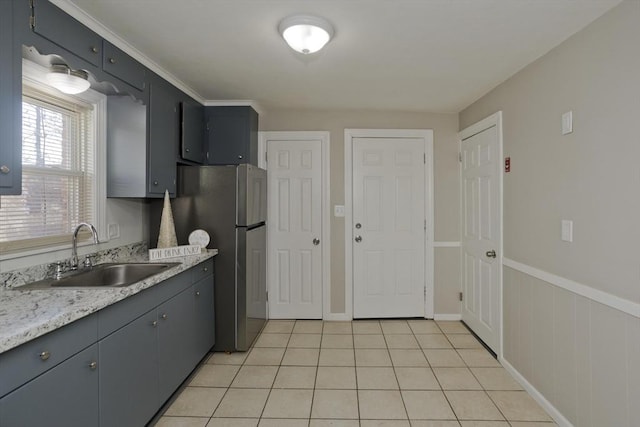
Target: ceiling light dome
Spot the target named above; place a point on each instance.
(67, 80)
(305, 33)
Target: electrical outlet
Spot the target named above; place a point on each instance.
(114, 231)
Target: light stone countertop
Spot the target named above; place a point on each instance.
(28, 314)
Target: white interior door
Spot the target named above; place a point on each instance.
(388, 227)
(295, 256)
(481, 234)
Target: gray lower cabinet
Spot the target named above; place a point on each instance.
(64, 396)
(204, 333)
(176, 321)
(129, 373)
(147, 345)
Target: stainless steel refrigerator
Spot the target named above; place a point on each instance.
(229, 203)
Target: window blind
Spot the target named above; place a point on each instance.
(58, 179)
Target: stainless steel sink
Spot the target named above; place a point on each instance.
(104, 275)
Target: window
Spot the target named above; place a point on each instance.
(59, 173)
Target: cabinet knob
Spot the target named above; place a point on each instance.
(94, 49)
(5, 169)
(164, 316)
(187, 150)
(112, 60)
(93, 365)
(239, 157)
(154, 323)
(205, 269)
(155, 182)
(197, 293)
(45, 355)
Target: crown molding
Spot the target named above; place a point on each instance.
(235, 103)
(106, 33)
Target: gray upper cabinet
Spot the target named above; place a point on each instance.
(163, 136)
(10, 103)
(192, 131)
(120, 65)
(54, 24)
(232, 135)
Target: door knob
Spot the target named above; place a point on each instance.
(358, 225)
(491, 253)
(358, 239)
(316, 241)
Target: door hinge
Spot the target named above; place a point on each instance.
(424, 158)
(460, 157)
(32, 16)
(267, 295)
(425, 225)
(265, 156)
(425, 292)
(460, 296)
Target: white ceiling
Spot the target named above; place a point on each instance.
(414, 55)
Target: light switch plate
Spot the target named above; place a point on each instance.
(567, 123)
(338, 210)
(567, 230)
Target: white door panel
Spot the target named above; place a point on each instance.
(389, 227)
(481, 234)
(295, 220)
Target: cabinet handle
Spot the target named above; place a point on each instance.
(164, 316)
(45, 355)
(93, 365)
(94, 49)
(197, 293)
(112, 60)
(5, 169)
(154, 323)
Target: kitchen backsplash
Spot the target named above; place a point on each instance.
(131, 252)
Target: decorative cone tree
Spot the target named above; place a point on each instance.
(167, 237)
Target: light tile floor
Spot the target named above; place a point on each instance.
(387, 373)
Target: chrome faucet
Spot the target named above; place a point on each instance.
(74, 245)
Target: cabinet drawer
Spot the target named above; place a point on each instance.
(55, 25)
(119, 64)
(23, 363)
(201, 270)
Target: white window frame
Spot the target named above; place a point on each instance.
(34, 75)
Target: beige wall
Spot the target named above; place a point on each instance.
(581, 355)
(445, 127)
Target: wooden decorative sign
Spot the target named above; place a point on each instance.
(175, 251)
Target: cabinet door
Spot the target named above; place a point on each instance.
(10, 103)
(175, 321)
(54, 24)
(232, 135)
(65, 396)
(119, 64)
(204, 336)
(163, 138)
(129, 374)
(192, 131)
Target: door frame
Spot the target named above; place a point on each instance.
(427, 136)
(486, 123)
(325, 143)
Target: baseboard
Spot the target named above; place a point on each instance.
(337, 317)
(453, 316)
(537, 396)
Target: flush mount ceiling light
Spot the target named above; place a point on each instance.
(67, 80)
(306, 34)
